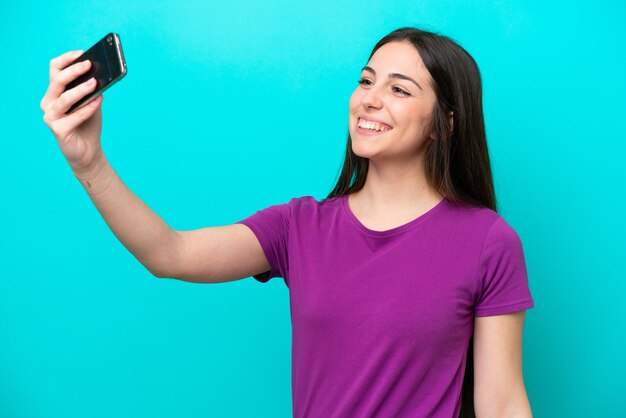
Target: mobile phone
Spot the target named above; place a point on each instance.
(108, 66)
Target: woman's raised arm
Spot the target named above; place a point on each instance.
(208, 255)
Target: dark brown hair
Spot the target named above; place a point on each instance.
(456, 163)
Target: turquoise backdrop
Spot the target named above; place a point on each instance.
(229, 107)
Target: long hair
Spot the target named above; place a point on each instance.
(456, 162)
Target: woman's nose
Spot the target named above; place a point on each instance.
(372, 98)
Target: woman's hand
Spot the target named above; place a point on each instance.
(77, 133)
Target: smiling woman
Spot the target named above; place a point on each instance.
(407, 289)
(426, 90)
(405, 270)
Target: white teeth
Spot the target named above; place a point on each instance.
(372, 126)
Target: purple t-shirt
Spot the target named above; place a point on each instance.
(381, 320)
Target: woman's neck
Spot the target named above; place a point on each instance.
(391, 199)
(396, 189)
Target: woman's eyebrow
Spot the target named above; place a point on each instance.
(394, 75)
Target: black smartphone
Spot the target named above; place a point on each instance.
(108, 66)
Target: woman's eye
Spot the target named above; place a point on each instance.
(367, 82)
(399, 90)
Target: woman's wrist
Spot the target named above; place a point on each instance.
(96, 178)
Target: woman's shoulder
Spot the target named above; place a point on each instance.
(309, 200)
(307, 206)
(468, 209)
(474, 216)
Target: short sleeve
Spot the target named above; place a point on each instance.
(503, 279)
(271, 227)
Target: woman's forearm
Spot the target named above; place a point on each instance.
(141, 230)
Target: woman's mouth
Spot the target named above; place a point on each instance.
(366, 127)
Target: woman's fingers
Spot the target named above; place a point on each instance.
(59, 63)
(61, 105)
(63, 127)
(60, 79)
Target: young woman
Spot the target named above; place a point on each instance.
(408, 291)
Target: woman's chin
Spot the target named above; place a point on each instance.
(363, 151)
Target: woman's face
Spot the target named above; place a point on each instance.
(395, 90)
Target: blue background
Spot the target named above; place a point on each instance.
(229, 108)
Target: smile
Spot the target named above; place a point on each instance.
(372, 127)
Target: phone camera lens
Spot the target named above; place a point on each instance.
(109, 38)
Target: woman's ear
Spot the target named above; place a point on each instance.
(450, 122)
